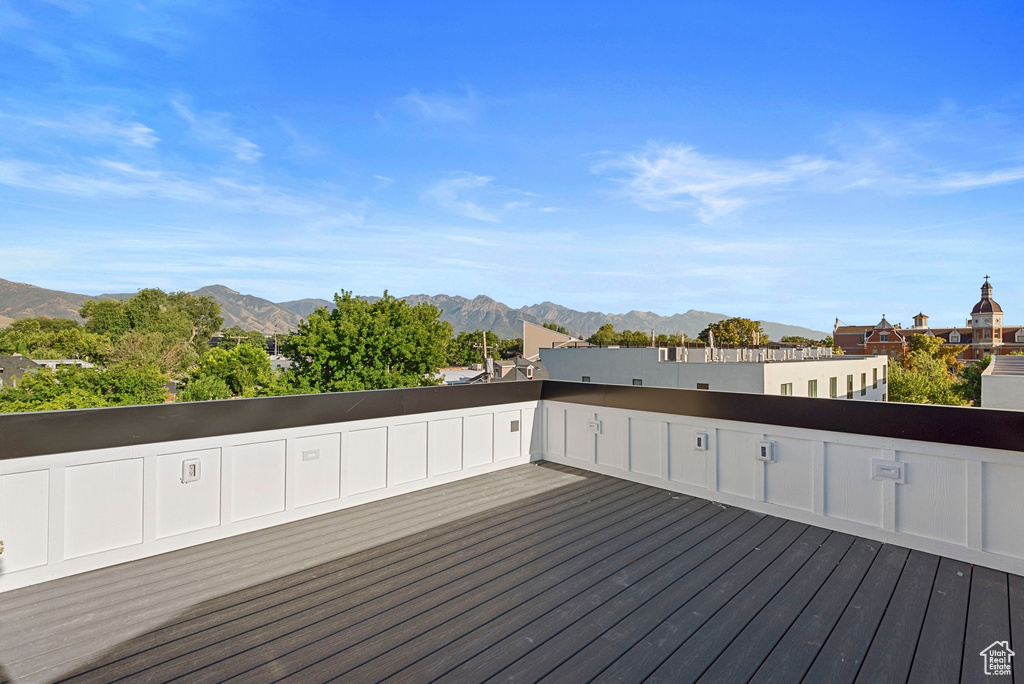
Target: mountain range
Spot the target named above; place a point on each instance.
(20, 300)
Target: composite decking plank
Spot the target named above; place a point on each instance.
(284, 629)
(167, 602)
(68, 652)
(696, 654)
(389, 651)
(616, 632)
(525, 656)
(346, 645)
(939, 657)
(744, 654)
(667, 634)
(468, 493)
(578, 652)
(892, 650)
(988, 621)
(372, 567)
(841, 656)
(137, 606)
(797, 649)
(1016, 595)
(533, 622)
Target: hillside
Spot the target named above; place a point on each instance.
(19, 300)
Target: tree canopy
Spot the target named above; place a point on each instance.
(734, 331)
(927, 373)
(363, 345)
(466, 348)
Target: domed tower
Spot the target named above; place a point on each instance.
(986, 324)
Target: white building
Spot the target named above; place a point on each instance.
(802, 372)
(1002, 383)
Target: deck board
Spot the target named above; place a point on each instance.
(539, 572)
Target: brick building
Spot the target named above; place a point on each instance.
(983, 334)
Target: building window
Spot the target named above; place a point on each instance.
(703, 385)
(1019, 337)
(529, 372)
(954, 336)
(849, 387)
(586, 378)
(637, 382)
(787, 389)
(863, 384)
(883, 337)
(812, 388)
(874, 378)
(874, 351)
(833, 387)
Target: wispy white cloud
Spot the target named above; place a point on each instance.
(214, 128)
(941, 154)
(663, 177)
(116, 179)
(476, 197)
(90, 124)
(440, 107)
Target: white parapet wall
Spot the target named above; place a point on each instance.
(66, 513)
(958, 501)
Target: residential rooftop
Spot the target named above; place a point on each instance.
(582, 534)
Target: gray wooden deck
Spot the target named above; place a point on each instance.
(538, 573)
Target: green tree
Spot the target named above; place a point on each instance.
(204, 388)
(605, 336)
(245, 369)
(466, 348)
(510, 348)
(968, 387)
(557, 328)
(169, 331)
(235, 336)
(632, 338)
(363, 345)
(736, 331)
(72, 387)
(926, 373)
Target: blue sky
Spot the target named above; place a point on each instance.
(789, 162)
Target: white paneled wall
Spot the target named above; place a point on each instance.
(962, 502)
(67, 513)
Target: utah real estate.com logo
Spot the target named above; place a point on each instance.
(998, 658)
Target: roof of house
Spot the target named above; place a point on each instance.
(535, 571)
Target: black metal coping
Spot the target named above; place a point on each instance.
(961, 425)
(50, 432)
(53, 432)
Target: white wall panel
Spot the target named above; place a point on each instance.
(367, 459)
(478, 440)
(507, 442)
(1004, 523)
(790, 480)
(24, 512)
(102, 507)
(444, 446)
(554, 439)
(850, 493)
(257, 479)
(736, 462)
(645, 446)
(933, 502)
(580, 445)
(612, 441)
(685, 464)
(407, 453)
(317, 462)
(530, 439)
(187, 507)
